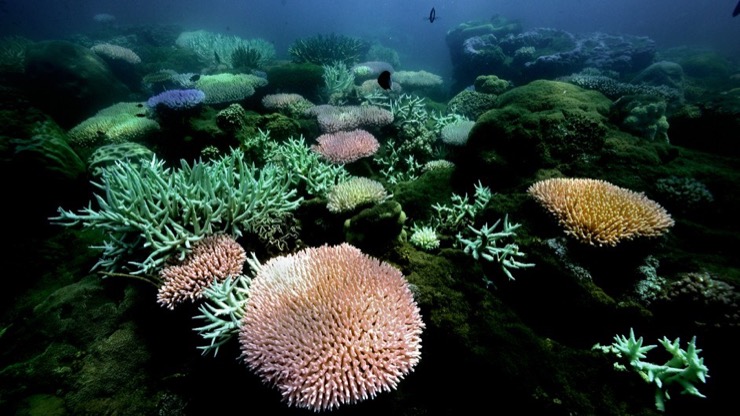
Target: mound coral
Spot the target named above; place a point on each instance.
(598, 213)
(121, 122)
(330, 326)
(224, 88)
(177, 99)
(355, 192)
(335, 118)
(116, 53)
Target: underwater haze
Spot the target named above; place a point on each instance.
(391, 207)
(399, 24)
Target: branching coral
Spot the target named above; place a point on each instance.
(488, 244)
(325, 50)
(685, 367)
(151, 213)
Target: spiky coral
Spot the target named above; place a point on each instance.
(325, 50)
(151, 213)
(685, 367)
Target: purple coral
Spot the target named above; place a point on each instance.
(177, 99)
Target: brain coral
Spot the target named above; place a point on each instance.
(330, 326)
(599, 213)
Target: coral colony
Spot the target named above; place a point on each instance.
(309, 208)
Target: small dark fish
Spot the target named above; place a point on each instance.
(140, 105)
(384, 80)
(141, 115)
(737, 10)
(432, 16)
(195, 78)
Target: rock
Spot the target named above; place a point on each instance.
(70, 82)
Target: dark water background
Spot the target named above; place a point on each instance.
(398, 24)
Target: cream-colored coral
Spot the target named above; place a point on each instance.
(599, 213)
(223, 88)
(118, 123)
(355, 192)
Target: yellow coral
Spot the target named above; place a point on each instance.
(120, 122)
(599, 213)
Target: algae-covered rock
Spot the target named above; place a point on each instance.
(491, 84)
(376, 226)
(80, 82)
(539, 125)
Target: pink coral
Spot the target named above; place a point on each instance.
(346, 146)
(284, 100)
(116, 53)
(213, 257)
(330, 326)
(335, 118)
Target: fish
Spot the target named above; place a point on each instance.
(194, 77)
(384, 80)
(737, 9)
(432, 15)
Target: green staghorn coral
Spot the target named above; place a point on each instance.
(323, 50)
(684, 368)
(151, 213)
(215, 48)
(488, 243)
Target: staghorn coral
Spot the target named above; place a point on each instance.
(215, 48)
(323, 50)
(330, 326)
(311, 173)
(105, 156)
(598, 213)
(151, 213)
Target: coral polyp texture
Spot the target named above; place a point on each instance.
(177, 99)
(215, 257)
(346, 146)
(330, 326)
(116, 53)
(599, 213)
(353, 193)
(336, 118)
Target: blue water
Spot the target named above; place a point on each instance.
(396, 24)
